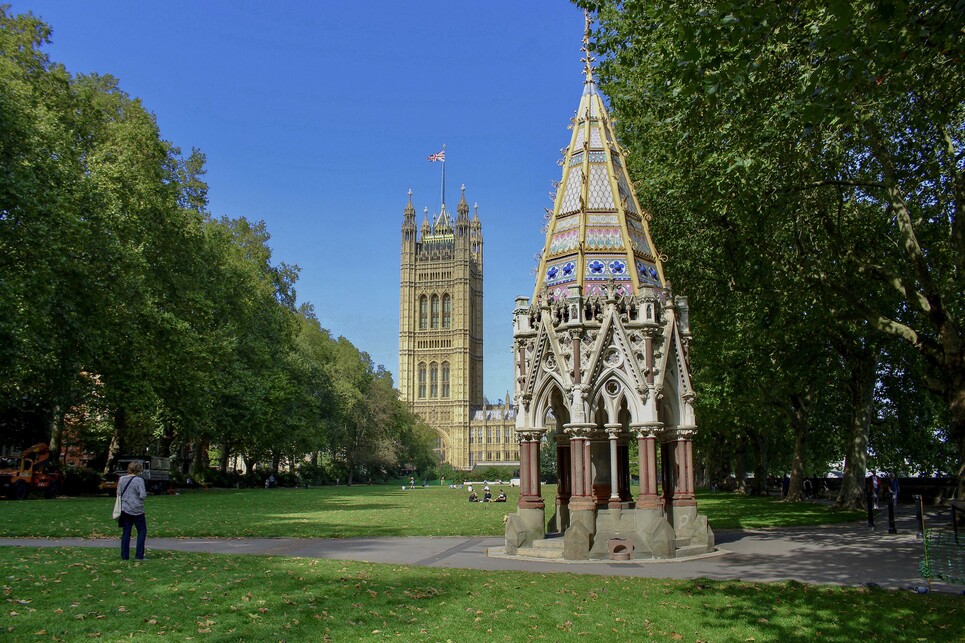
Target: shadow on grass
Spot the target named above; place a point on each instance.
(261, 598)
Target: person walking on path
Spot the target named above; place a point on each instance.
(132, 492)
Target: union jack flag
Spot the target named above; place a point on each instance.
(441, 156)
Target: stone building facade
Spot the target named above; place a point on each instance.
(441, 338)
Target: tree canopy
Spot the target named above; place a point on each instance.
(131, 320)
(804, 164)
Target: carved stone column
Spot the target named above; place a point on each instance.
(647, 450)
(529, 487)
(613, 435)
(581, 495)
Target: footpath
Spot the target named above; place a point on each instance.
(848, 554)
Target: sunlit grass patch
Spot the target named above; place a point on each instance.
(346, 512)
(73, 594)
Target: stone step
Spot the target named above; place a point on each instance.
(690, 550)
(548, 543)
(540, 552)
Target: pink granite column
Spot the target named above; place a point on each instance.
(647, 450)
(529, 491)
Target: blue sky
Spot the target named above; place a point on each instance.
(317, 118)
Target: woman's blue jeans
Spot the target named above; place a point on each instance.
(140, 522)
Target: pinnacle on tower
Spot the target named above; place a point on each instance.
(463, 207)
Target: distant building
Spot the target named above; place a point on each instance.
(441, 339)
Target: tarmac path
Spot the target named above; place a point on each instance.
(849, 554)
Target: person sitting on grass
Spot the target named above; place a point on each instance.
(487, 495)
(473, 497)
(501, 497)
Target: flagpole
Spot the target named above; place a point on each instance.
(443, 176)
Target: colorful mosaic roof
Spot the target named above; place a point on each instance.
(597, 232)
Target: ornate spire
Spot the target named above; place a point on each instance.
(598, 236)
(425, 223)
(463, 207)
(587, 59)
(409, 212)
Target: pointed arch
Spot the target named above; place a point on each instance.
(435, 311)
(446, 311)
(423, 312)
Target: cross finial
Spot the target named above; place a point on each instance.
(587, 59)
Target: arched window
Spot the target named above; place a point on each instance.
(435, 311)
(445, 378)
(433, 380)
(423, 312)
(422, 381)
(446, 311)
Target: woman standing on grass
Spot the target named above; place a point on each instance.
(132, 492)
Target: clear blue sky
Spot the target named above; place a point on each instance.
(317, 118)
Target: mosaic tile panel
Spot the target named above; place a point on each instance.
(602, 219)
(626, 192)
(567, 223)
(571, 199)
(595, 141)
(600, 197)
(647, 274)
(576, 159)
(560, 273)
(603, 268)
(564, 242)
(578, 145)
(638, 241)
(604, 239)
(599, 290)
(597, 157)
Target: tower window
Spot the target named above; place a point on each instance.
(445, 379)
(433, 380)
(435, 311)
(446, 311)
(422, 381)
(423, 312)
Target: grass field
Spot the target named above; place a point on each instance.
(78, 594)
(345, 512)
(71, 594)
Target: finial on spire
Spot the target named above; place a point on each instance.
(587, 59)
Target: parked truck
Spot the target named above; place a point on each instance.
(33, 470)
(156, 473)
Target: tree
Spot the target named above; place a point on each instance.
(843, 122)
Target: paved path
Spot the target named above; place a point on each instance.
(843, 555)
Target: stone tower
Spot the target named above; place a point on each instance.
(440, 324)
(601, 356)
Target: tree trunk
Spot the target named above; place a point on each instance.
(864, 376)
(956, 410)
(740, 465)
(199, 459)
(798, 412)
(56, 443)
(117, 440)
(759, 485)
(167, 439)
(225, 456)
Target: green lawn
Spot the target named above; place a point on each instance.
(346, 512)
(75, 594)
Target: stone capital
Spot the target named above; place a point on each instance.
(529, 434)
(578, 430)
(646, 429)
(613, 431)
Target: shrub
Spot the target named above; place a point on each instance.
(79, 480)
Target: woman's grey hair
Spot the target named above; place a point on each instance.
(135, 468)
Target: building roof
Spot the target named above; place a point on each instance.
(597, 232)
